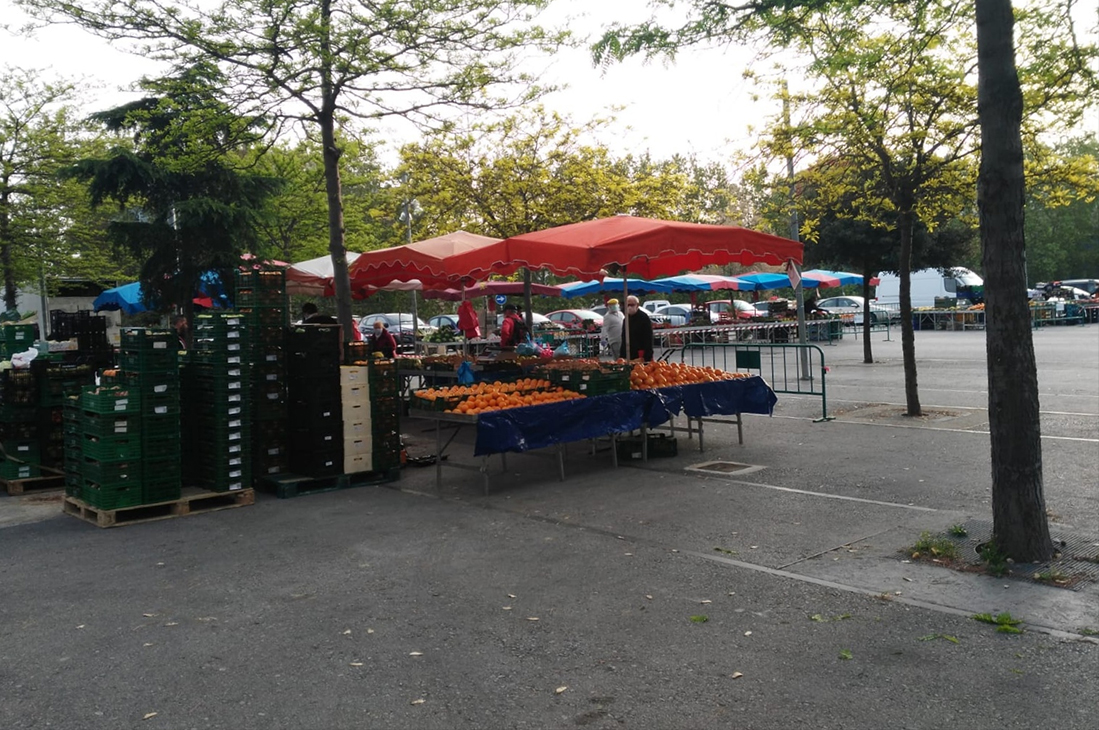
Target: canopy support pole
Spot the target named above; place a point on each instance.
(528, 312)
(626, 309)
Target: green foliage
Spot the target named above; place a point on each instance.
(994, 559)
(932, 547)
(958, 530)
(1062, 212)
(846, 655)
(185, 206)
(1004, 622)
(699, 619)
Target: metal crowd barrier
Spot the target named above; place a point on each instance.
(789, 368)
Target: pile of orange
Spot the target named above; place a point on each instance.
(663, 374)
(464, 391)
(498, 401)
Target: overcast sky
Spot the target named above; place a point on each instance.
(694, 105)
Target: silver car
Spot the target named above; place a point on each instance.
(855, 306)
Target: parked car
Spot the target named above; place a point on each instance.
(672, 315)
(600, 309)
(444, 320)
(1091, 286)
(854, 305)
(728, 309)
(652, 305)
(399, 324)
(573, 319)
(540, 321)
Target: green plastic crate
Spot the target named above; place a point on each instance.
(111, 496)
(111, 399)
(111, 448)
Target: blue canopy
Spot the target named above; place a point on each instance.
(611, 284)
(761, 281)
(128, 296)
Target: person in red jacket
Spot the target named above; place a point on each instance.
(382, 341)
(513, 331)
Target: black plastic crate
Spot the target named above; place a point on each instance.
(317, 439)
(18, 431)
(144, 338)
(111, 473)
(317, 463)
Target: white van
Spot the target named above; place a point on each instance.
(929, 284)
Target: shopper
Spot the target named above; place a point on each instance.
(179, 324)
(514, 330)
(382, 341)
(640, 329)
(310, 315)
(612, 327)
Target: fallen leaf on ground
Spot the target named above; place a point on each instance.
(345, 633)
(737, 675)
(80, 626)
(507, 608)
(706, 600)
(147, 643)
(356, 664)
(148, 615)
(560, 689)
(629, 554)
(649, 597)
(532, 618)
(370, 631)
(172, 623)
(747, 633)
(415, 653)
(512, 595)
(148, 715)
(416, 702)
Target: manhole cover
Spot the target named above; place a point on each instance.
(724, 467)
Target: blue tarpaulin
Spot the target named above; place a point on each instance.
(128, 296)
(535, 427)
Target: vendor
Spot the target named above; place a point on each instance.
(513, 331)
(382, 341)
(640, 329)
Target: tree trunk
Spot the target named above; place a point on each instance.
(327, 120)
(908, 337)
(867, 349)
(5, 248)
(1020, 527)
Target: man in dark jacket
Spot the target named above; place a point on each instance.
(640, 328)
(513, 330)
(382, 341)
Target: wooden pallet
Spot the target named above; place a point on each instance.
(46, 482)
(286, 486)
(192, 501)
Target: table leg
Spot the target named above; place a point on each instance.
(614, 450)
(484, 471)
(701, 445)
(644, 442)
(561, 461)
(740, 427)
(438, 456)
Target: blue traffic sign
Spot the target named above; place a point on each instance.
(501, 299)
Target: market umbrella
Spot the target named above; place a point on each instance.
(759, 281)
(827, 279)
(645, 246)
(704, 282)
(314, 277)
(428, 261)
(492, 288)
(610, 283)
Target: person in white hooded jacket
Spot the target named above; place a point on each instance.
(612, 327)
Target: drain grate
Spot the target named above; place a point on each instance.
(1078, 564)
(724, 467)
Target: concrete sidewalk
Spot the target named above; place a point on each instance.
(647, 596)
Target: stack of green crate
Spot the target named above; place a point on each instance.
(217, 396)
(151, 366)
(73, 425)
(385, 389)
(15, 338)
(57, 380)
(262, 299)
(20, 457)
(110, 446)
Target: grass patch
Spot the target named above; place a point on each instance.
(934, 548)
(1087, 631)
(994, 559)
(958, 531)
(1005, 623)
(821, 619)
(846, 654)
(699, 619)
(1052, 576)
(944, 637)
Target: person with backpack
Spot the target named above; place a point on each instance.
(514, 329)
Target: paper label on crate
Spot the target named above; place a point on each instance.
(236, 436)
(233, 347)
(272, 357)
(237, 474)
(272, 377)
(328, 437)
(273, 469)
(160, 345)
(162, 388)
(233, 334)
(273, 451)
(121, 405)
(160, 410)
(274, 396)
(235, 462)
(26, 448)
(234, 448)
(236, 487)
(234, 385)
(121, 427)
(235, 424)
(234, 373)
(233, 398)
(233, 321)
(326, 414)
(235, 411)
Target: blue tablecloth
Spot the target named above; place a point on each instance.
(535, 427)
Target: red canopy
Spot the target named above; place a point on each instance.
(645, 246)
(492, 288)
(427, 261)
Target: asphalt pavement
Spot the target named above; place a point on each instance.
(653, 595)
